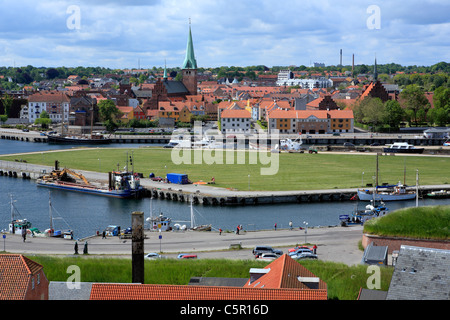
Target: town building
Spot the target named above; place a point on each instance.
(235, 121)
(55, 103)
(286, 79)
(22, 279)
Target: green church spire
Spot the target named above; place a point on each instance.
(189, 61)
(165, 70)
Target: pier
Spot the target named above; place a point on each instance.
(204, 194)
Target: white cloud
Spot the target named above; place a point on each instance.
(117, 33)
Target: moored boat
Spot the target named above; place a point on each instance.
(403, 147)
(399, 192)
(63, 139)
(441, 194)
(121, 184)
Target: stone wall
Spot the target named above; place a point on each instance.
(394, 243)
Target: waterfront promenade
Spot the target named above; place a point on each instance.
(337, 244)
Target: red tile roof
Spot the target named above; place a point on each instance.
(113, 291)
(284, 273)
(280, 283)
(15, 273)
(230, 113)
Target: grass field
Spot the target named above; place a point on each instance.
(343, 282)
(422, 222)
(294, 171)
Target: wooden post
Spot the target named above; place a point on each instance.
(137, 255)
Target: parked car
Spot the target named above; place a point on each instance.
(299, 247)
(349, 145)
(187, 256)
(304, 255)
(375, 144)
(259, 250)
(154, 256)
(447, 143)
(267, 256)
(300, 251)
(336, 134)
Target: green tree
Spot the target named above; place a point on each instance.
(393, 113)
(43, 120)
(7, 102)
(373, 112)
(108, 113)
(415, 101)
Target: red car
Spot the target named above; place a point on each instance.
(300, 247)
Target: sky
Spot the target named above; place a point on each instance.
(122, 34)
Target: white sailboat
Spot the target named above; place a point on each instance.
(194, 226)
(51, 232)
(385, 193)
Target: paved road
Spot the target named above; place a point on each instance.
(338, 244)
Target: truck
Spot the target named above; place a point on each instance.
(177, 178)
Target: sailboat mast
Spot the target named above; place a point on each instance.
(192, 213)
(50, 211)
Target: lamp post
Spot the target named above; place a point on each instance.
(248, 182)
(362, 180)
(306, 230)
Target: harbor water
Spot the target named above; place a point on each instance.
(87, 214)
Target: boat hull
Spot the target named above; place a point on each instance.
(67, 140)
(366, 196)
(411, 151)
(123, 194)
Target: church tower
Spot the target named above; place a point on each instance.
(189, 69)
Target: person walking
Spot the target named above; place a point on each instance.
(220, 231)
(24, 234)
(290, 225)
(104, 234)
(237, 229)
(275, 226)
(315, 249)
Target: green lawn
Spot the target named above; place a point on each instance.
(422, 222)
(294, 171)
(343, 282)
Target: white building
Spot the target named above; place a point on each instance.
(56, 104)
(285, 78)
(235, 121)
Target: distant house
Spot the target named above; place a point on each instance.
(22, 279)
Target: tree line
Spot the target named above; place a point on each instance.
(412, 107)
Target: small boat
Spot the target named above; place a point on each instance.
(354, 219)
(194, 226)
(159, 223)
(441, 194)
(291, 145)
(402, 147)
(18, 224)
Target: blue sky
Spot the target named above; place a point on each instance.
(128, 34)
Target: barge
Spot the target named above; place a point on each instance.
(121, 184)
